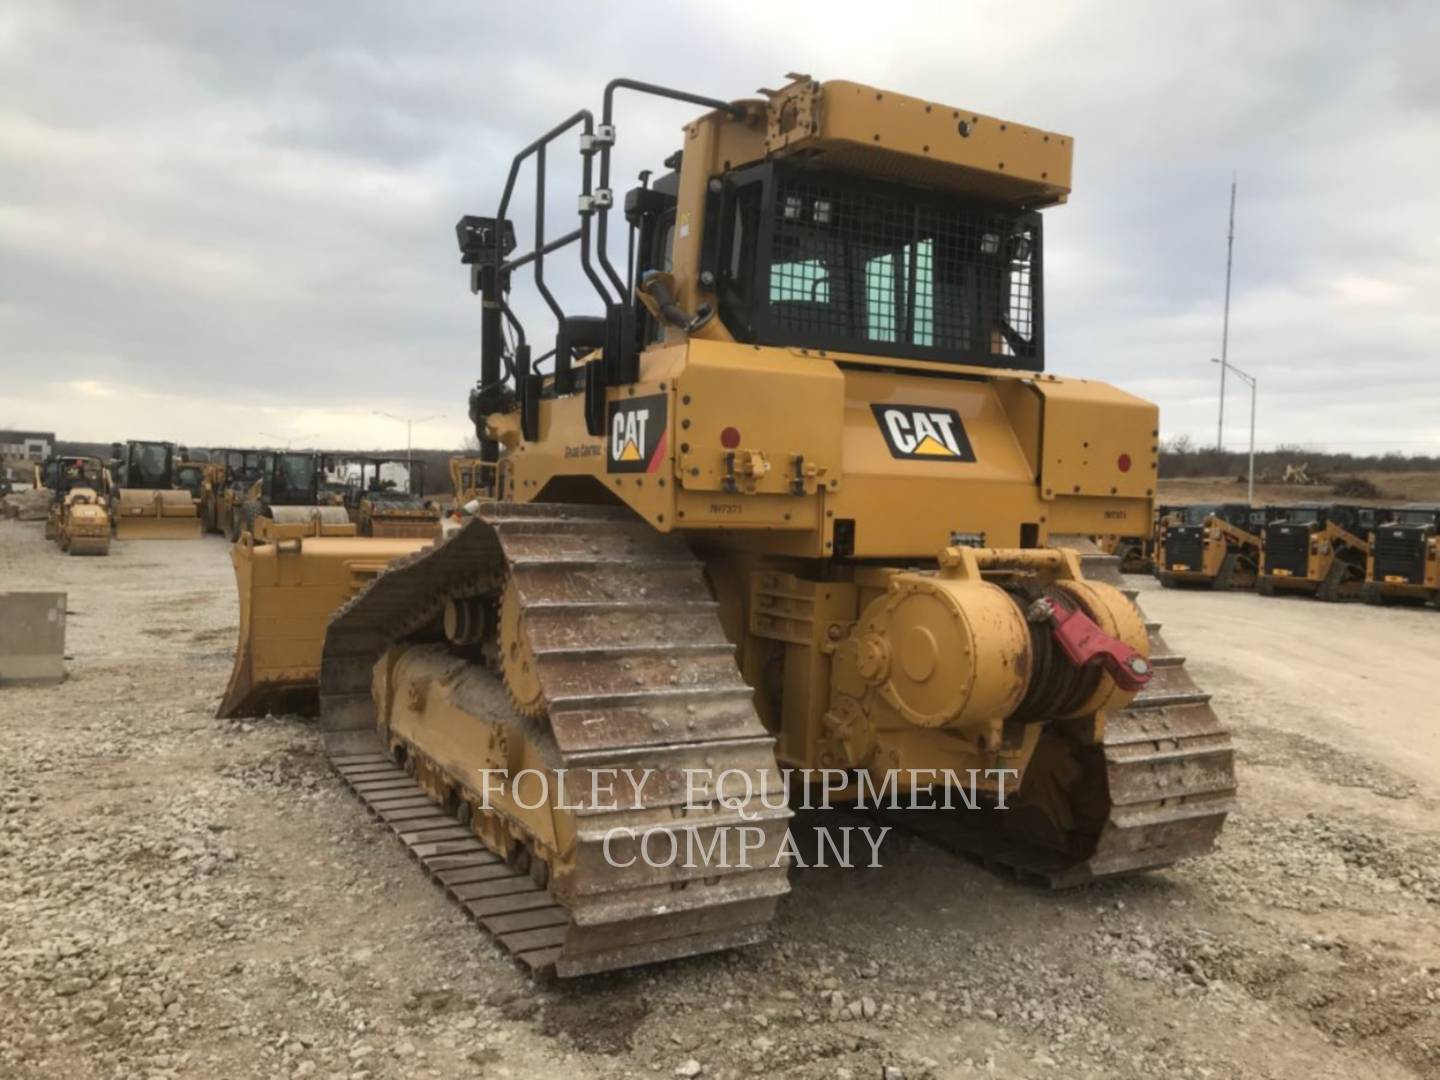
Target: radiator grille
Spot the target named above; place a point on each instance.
(1287, 547)
(1184, 546)
(1400, 553)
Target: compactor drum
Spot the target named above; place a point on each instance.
(799, 496)
(145, 503)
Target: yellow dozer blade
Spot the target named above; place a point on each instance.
(288, 591)
(148, 514)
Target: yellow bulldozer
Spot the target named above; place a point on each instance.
(798, 501)
(145, 502)
(79, 517)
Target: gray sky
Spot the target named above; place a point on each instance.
(218, 220)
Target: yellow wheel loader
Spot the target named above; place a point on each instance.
(1214, 547)
(145, 503)
(796, 493)
(1404, 561)
(1317, 550)
(79, 519)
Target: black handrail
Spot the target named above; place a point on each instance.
(607, 120)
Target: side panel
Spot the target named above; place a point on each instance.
(908, 489)
(772, 449)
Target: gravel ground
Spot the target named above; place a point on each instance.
(183, 896)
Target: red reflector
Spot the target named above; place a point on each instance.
(1123, 462)
(730, 438)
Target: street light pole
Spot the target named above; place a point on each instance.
(1253, 383)
(291, 440)
(1254, 393)
(1225, 329)
(409, 425)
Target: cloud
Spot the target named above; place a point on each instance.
(217, 219)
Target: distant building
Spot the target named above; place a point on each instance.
(20, 449)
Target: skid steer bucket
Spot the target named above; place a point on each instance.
(288, 591)
(142, 514)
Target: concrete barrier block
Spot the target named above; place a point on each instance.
(32, 637)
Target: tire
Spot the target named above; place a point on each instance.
(1265, 586)
(1371, 594)
(1167, 580)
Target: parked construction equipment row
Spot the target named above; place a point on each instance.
(1335, 551)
